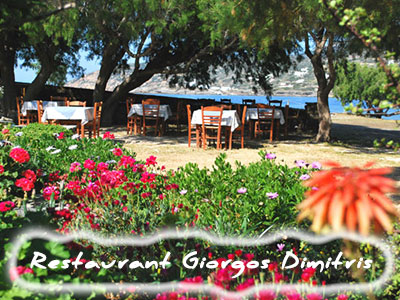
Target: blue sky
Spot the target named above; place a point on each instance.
(27, 75)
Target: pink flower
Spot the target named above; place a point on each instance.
(75, 167)
(316, 165)
(314, 296)
(17, 271)
(60, 136)
(102, 166)
(304, 177)
(342, 297)
(280, 247)
(272, 195)
(294, 296)
(151, 161)
(266, 295)
(270, 156)
(20, 155)
(300, 163)
(49, 191)
(117, 151)
(5, 131)
(108, 135)
(307, 274)
(1, 169)
(6, 206)
(89, 164)
(242, 190)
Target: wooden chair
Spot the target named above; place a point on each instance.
(226, 101)
(211, 117)
(289, 119)
(273, 102)
(248, 101)
(180, 111)
(30, 117)
(151, 115)
(239, 131)
(134, 122)
(238, 108)
(225, 106)
(76, 103)
(93, 126)
(60, 98)
(265, 122)
(40, 111)
(191, 127)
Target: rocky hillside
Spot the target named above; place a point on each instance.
(299, 81)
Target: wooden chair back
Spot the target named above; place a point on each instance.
(97, 110)
(273, 102)
(151, 108)
(211, 115)
(244, 115)
(211, 118)
(265, 112)
(226, 101)
(60, 98)
(129, 103)
(189, 115)
(40, 110)
(76, 103)
(20, 102)
(225, 106)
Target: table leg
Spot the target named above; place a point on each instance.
(277, 129)
(198, 135)
(82, 130)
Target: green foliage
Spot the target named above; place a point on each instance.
(360, 85)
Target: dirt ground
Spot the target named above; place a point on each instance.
(351, 144)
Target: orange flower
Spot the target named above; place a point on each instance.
(350, 197)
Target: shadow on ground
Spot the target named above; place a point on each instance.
(356, 138)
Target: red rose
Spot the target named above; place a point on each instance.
(1, 169)
(60, 136)
(20, 155)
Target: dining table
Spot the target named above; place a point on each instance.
(60, 114)
(252, 114)
(165, 111)
(252, 117)
(230, 120)
(32, 105)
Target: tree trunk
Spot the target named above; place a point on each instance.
(7, 76)
(324, 128)
(324, 85)
(111, 56)
(39, 82)
(120, 92)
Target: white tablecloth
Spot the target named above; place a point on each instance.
(32, 105)
(83, 114)
(229, 118)
(137, 109)
(252, 114)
